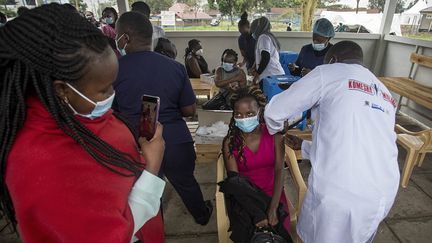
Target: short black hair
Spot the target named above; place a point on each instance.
(166, 47)
(70, 6)
(21, 10)
(345, 51)
(142, 8)
(230, 52)
(136, 25)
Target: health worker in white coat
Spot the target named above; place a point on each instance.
(355, 175)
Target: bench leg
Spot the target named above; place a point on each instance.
(410, 161)
(420, 161)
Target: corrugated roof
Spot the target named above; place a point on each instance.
(426, 10)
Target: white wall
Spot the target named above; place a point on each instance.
(397, 64)
(215, 42)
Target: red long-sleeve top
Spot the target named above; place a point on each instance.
(60, 193)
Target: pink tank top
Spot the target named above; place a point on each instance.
(259, 166)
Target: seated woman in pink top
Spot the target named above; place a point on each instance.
(251, 151)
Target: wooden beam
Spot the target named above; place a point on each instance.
(422, 60)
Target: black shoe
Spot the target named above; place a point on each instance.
(204, 221)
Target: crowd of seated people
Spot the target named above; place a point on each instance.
(72, 157)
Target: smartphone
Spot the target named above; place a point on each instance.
(149, 116)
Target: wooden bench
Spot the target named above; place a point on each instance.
(408, 87)
(200, 88)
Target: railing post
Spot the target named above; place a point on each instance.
(123, 6)
(386, 22)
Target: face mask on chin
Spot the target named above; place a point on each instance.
(200, 52)
(122, 51)
(101, 107)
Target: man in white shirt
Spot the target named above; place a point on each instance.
(355, 175)
(144, 8)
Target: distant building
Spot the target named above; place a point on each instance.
(190, 15)
(426, 20)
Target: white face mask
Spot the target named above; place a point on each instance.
(319, 47)
(101, 107)
(200, 52)
(228, 66)
(121, 50)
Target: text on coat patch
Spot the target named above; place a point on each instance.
(371, 89)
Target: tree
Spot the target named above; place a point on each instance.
(324, 3)
(212, 4)
(7, 2)
(226, 7)
(379, 4)
(80, 5)
(156, 6)
(308, 11)
(357, 7)
(285, 3)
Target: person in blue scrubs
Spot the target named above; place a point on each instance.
(246, 42)
(312, 55)
(142, 71)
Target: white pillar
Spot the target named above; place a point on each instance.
(123, 6)
(386, 22)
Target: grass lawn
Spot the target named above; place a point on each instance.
(421, 36)
(223, 26)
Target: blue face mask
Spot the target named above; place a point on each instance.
(121, 50)
(319, 47)
(247, 125)
(228, 66)
(109, 20)
(100, 109)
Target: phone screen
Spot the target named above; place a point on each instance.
(149, 116)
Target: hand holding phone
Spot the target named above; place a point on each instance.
(153, 150)
(149, 116)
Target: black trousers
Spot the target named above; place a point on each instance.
(178, 167)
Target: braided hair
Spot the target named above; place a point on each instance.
(243, 20)
(191, 44)
(230, 52)
(50, 43)
(235, 136)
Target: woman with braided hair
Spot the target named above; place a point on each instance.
(71, 170)
(249, 150)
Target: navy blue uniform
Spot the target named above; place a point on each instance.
(309, 58)
(154, 74)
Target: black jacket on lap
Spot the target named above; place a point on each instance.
(247, 205)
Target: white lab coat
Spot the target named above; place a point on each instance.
(355, 175)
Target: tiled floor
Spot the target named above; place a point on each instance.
(410, 220)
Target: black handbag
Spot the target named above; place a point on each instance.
(218, 102)
(267, 236)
